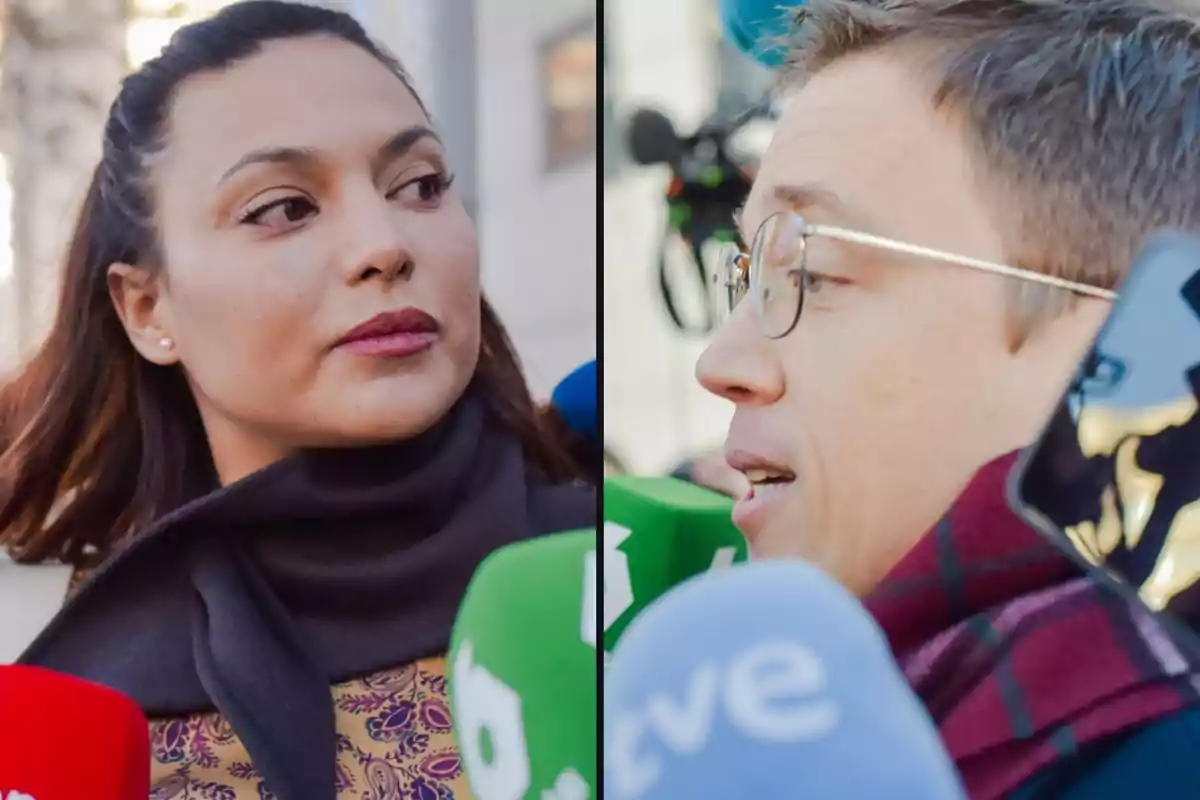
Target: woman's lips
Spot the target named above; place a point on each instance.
(392, 345)
(751, 512)
(395, 334)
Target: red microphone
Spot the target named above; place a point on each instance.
(62, 738)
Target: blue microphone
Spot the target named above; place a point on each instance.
(769, 681)
(575, 399)
(572, 417)
(758, 28)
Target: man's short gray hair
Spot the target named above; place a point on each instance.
(1085, 115)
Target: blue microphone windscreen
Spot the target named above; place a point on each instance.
(758, 28)
(768, 681)
(575, 399)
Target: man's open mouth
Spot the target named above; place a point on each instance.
(764, 480)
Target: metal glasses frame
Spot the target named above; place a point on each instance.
(740, 272)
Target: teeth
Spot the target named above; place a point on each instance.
(764, 475)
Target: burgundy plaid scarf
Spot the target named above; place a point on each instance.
(1021, 659)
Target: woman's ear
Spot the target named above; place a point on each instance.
(144, 312)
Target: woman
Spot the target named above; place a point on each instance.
(277, 413)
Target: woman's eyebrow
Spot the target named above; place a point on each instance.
(291, 156)
(392, 149)
(401, 143)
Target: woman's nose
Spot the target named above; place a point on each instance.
(378, 248)
(738, 366)
(386, 265)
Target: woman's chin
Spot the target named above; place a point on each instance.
(388, 410)
(366, 426)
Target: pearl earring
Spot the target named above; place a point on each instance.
(166, 343)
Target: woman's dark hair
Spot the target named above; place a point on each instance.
(95, 440)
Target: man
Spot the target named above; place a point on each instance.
(949, 196)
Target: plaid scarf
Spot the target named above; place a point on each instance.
(1020, 658)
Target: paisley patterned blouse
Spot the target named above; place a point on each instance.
(394, 743)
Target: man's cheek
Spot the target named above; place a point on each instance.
(878, 383)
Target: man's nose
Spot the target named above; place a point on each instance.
(738, 365)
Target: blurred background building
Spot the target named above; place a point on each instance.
(669, 55)
(512, 87)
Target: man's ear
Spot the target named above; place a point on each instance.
(1064, 338)
(1052, 352)
(144, 312)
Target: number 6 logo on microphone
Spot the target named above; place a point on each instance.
(492, 708)
(489, 705)
(522, 683)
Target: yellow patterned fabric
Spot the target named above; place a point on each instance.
(394, 743)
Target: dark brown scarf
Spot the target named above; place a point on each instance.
(330, 565)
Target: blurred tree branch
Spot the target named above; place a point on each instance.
(62, 62)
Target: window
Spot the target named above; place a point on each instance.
(569, 91)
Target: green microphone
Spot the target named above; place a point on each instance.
(524, 669)
(658, 532)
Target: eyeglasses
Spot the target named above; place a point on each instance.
(775, 272)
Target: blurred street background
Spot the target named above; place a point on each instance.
(511, 85)
(666, 55)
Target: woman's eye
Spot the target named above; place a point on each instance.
(282, 213)
(425, 190)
